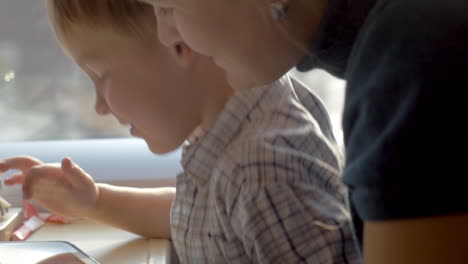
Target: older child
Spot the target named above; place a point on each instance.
(261, 180)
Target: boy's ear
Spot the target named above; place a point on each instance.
(185, 56)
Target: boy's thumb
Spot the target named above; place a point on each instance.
(72, 172)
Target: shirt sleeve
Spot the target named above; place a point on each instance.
(293, 223)
(406, 102)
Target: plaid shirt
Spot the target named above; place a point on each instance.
(263, 184)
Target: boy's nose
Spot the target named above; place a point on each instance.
(167, 31)
(101, 107)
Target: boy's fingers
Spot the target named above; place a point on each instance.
(72, 172)
(28, 183)
(15, 179)
(22, 163)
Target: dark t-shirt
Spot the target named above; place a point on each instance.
(406, 102)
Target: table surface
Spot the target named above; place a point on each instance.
(107, 244)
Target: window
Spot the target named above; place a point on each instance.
(44, 95)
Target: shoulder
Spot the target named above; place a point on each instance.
(278, 156)
(296, 124)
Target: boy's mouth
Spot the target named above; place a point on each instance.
(133, 130)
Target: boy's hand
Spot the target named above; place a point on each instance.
(63, 188)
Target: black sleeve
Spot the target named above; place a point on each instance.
(405, 111)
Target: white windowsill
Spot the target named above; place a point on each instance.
(108, 245)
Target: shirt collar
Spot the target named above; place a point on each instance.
(335, 38)
(200, 156)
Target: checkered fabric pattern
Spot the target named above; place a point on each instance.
(263, 184)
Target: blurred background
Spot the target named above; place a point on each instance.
(44, 96)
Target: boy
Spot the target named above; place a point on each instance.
(261, 167)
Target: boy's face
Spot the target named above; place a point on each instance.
(143, 87)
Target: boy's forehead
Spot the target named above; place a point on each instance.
(85, 44)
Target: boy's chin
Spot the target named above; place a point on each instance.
(160, 149)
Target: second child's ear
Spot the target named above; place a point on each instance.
(185, 56)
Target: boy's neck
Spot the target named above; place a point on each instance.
(216, 89)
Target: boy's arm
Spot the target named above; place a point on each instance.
(441, 239)
(68, 190)
(142, 211)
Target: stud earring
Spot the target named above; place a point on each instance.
(279, 9)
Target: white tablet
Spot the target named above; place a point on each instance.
(42, 252)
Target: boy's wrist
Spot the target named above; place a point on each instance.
(94, 210)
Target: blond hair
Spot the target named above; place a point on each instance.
(125, 16)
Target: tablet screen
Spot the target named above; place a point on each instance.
(38, 252)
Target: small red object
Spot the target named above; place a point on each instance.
(58, 219)
(29, 210)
